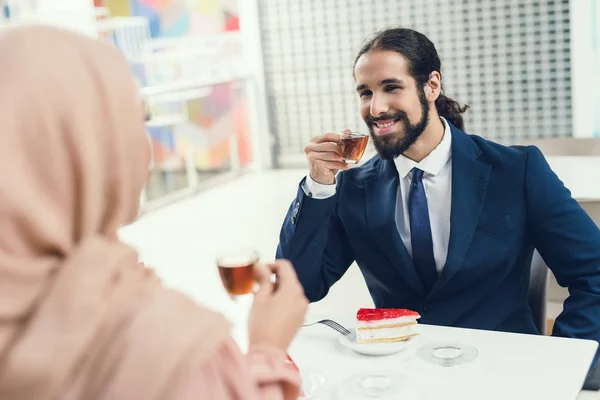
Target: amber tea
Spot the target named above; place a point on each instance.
(237, 273)
(353, 146)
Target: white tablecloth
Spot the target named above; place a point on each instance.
(508, 366)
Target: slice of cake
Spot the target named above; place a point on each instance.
(383, 325)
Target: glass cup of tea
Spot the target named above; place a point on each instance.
(236, 269)
(353, 145)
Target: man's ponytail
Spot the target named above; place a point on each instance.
(451, 110)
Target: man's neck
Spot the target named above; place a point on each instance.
(428, 141)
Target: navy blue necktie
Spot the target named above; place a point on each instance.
(420, 232)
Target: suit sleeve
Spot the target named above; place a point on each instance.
(314, 240)
(569, 242)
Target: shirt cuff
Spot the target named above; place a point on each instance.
(316, 190)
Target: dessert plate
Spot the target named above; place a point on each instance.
(374, 349)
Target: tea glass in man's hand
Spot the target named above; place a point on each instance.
(352, 146)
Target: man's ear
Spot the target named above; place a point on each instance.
(433, 87)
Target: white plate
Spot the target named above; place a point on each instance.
(375, 349)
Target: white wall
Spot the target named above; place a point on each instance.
(250, 33)
(578, 174)
(585, 67)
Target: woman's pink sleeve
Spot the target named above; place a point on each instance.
(230, 375)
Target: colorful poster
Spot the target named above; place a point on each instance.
(217, 128)
(211, 126)
(176, 18)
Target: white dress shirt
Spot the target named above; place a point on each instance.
(437, 181)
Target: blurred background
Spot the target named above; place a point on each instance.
(235, 88)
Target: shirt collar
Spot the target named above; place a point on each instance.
(434, 162)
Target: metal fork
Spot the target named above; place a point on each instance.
(331, 324)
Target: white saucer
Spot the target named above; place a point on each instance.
(375, 349)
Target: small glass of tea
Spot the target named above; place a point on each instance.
(353, 145)
(236, 269)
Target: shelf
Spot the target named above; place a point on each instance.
(187, 85)
(167, 120)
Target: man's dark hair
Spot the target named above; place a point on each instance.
(422, 60)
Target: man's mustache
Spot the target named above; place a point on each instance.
(400, 115)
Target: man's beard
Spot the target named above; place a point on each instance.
(392, 145)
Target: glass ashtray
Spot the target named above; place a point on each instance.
(372, 385)
(312, 382)
(447, 354)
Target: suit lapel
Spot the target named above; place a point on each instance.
(469, 186)
(381, 192)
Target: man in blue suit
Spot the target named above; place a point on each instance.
(440, 222)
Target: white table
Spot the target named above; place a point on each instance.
(508, 366)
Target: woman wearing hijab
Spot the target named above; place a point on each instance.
(79, 317)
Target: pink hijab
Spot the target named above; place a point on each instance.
(76, 308)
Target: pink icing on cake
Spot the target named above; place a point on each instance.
(377, 314)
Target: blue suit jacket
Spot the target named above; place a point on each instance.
(506, 201)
